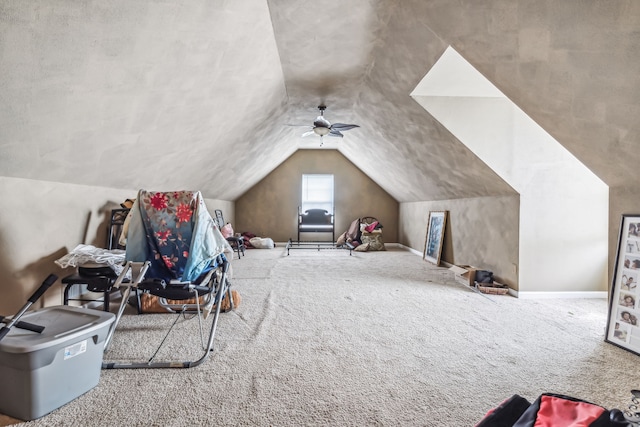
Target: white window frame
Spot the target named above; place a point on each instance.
(317, 192)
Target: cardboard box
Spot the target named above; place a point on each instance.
(493, 288)
(464, 274)
(41, 372)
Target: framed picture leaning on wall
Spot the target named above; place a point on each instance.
(435, 236)
(623, 324)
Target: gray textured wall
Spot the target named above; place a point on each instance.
(269, 209)
(482, 232)
(83, 84)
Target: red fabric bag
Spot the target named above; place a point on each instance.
(549, 410)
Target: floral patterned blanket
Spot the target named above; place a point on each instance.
(174, 231)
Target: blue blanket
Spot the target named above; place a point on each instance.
(174, 231)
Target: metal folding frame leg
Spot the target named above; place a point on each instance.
(138, 271)
(222, 288)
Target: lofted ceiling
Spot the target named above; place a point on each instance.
(202, 93)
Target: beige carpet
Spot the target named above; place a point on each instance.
(378, 338)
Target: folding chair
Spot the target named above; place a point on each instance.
(175, 252)
(236, 242)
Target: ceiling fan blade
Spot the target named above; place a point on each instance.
(343, 126)
(335, 133)
(311, 132)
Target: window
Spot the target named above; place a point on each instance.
(317, 192)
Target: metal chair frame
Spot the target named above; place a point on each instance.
(219, 286)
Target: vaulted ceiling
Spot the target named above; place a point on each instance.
(202, 93)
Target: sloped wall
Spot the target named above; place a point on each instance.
(270, 208)
(563, 205)
(570, 66)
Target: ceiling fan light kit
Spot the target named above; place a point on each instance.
(321, 130)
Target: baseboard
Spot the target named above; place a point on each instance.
(114, 297)
(560, 295)
(400, 245)
(531, 295)
(93, 305)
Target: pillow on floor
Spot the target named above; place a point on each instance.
(369, 228)
(353, 231)
(374, 240)
(362, 248)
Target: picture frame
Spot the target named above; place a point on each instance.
(435, 236)
(623, 320)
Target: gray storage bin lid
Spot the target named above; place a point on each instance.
(61, 325)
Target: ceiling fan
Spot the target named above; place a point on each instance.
(322, 127)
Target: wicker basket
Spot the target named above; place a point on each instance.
(492, 288)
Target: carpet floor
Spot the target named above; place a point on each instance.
(373, 339)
